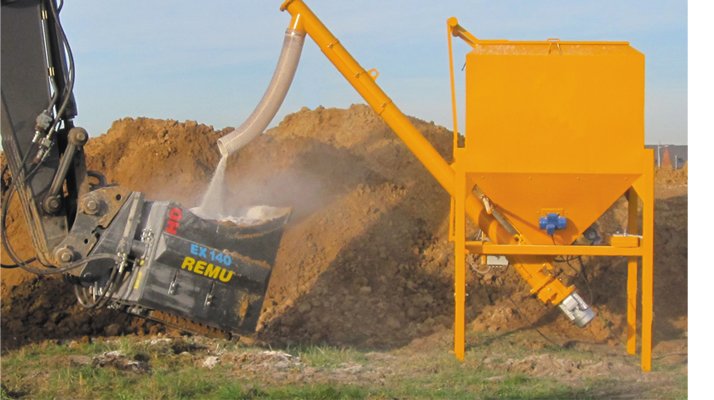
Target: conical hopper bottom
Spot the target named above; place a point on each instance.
(524, 198)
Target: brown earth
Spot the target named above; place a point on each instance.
(365, 261)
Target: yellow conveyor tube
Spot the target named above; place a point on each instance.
(531, 268)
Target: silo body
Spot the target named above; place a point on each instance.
(554, 128)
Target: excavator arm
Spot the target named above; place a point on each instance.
(155, 259)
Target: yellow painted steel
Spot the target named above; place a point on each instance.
(625, 240)
(296, 23)
(500, 171)
(554, 125)
(558, 127)
(632, 200)
(459, 196)
(644, 186)
(553, 250)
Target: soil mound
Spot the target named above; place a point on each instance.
(164, 159)
(670, 176)
(365, 260)
(362, 262)
(45, 308)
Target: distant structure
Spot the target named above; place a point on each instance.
(671, 156)
(666, 162)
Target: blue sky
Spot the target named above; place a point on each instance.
(211, 61)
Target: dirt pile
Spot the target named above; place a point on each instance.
(358, 263)
(46, 308)
(164, 159)
(672, 177)
(365, 260)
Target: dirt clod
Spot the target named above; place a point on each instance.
(118, 360)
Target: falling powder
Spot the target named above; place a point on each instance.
(212, 204)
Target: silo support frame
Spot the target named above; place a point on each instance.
(642, 189)
(640, 247)
(532, 262)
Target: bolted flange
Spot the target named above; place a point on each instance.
(78, 136)
(51, 204)
(90, 205)
(64, 255)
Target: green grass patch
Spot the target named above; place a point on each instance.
(46, 371)
(328, 357)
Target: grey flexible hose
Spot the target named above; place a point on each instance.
(272, 99)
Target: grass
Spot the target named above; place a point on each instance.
(327, 357)
(44, 371)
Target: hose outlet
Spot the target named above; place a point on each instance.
(51, 204)
(64, 255)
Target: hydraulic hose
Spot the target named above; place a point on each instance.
(272, 99)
